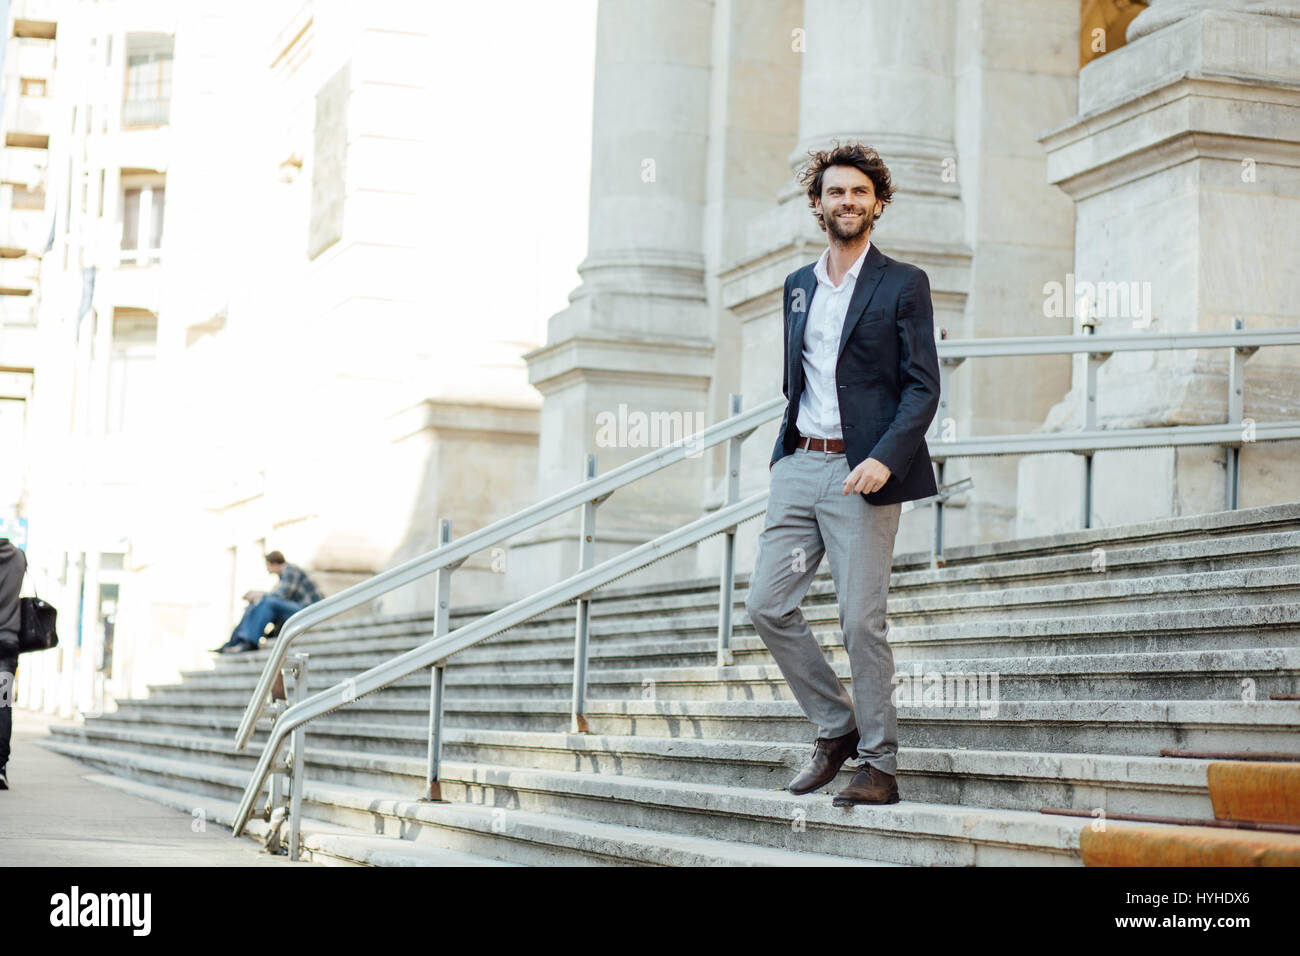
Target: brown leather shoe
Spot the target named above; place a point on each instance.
(829, 754)
(869, 785)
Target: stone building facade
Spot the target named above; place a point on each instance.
(1029, 150)
(1169, 163)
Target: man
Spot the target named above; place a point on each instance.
(294, 592)
(13, 565)
(861, 379)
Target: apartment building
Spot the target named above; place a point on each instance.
(86, 125)
(228, 331)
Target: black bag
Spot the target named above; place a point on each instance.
(36, 630)
(36, 624)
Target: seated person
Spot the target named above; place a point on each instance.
(294, 592)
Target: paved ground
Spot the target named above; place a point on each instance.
(54, 816)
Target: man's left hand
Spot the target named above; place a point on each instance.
(869, 476)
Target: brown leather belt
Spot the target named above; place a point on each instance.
(832, 445)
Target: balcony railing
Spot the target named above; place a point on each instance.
(28, 115)
(137, 113)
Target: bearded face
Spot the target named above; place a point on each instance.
(848, 203)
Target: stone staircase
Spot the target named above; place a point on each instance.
(1109, 646)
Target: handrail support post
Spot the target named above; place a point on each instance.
(1236, 415)
(727, 586)
(586, 559)
(275, 792)
(437, 674)
(942, 416)
(1094, 363)
(297, 760)
(936, 541)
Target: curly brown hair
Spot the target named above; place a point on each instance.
(850, 154)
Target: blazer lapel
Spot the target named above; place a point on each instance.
(873, 268)
(797, 324)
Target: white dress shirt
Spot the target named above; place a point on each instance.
(819, 405)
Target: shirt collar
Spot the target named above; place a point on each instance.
(820, 269)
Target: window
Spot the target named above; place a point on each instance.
(13, 433)
(131, 220)
(156, 217)
(32, 87)
(108, 599)
(131, 369)
(25, 198)
(148, 79)
(142, 222)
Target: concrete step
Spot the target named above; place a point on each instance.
(1108, 646)
(512, 835)
(513, 804)
(1223, 628)
(323, 843)
(1268, 587)
(1178, 675)
(1247, 552)
(1243, 521)
(1145, 547)
(1088, 726)
(666, 647)
(1208, 589)
(394, 759)
(1211, 629)
(1271, 549)
(905, 833)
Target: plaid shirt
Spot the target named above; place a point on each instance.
(296, 586)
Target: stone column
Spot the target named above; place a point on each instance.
(868, 76)
(1015, 75)
(754, 126)
(1182, 163)
(626, 366)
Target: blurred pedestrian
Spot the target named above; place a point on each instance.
(13, 565)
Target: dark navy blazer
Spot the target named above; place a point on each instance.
(886, 375)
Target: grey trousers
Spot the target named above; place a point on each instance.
(809, 515)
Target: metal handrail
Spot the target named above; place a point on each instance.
(737, 426)
(467, 635)
(451, 555)
(949, 350)
(1088, 439)
(1107, 439)
(1138, 341)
